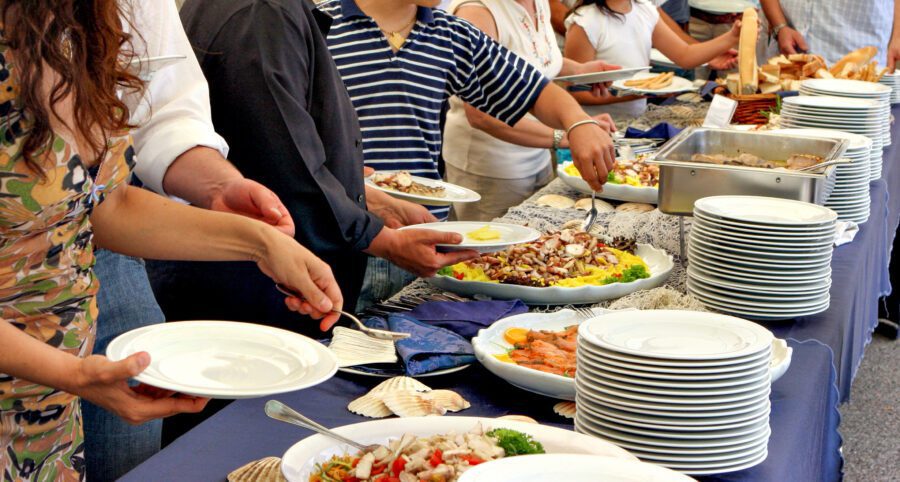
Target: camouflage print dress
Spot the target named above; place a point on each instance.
(47, 287)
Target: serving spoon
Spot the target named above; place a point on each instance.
(283, 413)
(373, 332)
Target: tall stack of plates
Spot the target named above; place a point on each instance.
(681, 389)
(892, 80)
(860, 116)
(850, 194)
(761, 258)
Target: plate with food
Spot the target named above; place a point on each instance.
(600, 77)
(483, 237)
(632, 181)
(655, 84)
(533, 351)
(420, 190)
(419, 448)
(559, 268)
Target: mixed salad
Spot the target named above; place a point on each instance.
(438, 458)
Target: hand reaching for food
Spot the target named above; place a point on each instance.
(415, 250)
(593, 153)
(791, 41)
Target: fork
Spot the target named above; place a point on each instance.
(279, 411)
(373, 332)
(584, 313)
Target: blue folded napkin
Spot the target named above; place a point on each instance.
(466, 317)
(663, 130)
(429, 348)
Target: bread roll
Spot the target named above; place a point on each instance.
(857, 58)
(747, 68)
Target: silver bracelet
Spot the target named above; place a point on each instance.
(558, 135)
(581, 123)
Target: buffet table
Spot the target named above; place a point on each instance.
(804, 444)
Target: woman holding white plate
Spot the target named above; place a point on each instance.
(65, 160)
(508, 164)
(623, 32)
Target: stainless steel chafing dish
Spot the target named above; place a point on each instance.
(682, 181)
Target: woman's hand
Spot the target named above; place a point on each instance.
(105, 383)
(593, 154)
(726, 61)
(606, 122)
(287, 262)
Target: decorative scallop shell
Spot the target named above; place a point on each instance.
(400, 383)
(408, 403)
(602, 206)
(448, 400)
(262, 470)
(565, 409)
(635, 208)
(370, 405)
(518, 418)
(573, 224)
(555, 201)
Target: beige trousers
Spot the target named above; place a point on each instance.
(497, 195)
(703, 31)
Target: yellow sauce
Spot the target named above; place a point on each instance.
(485, 233)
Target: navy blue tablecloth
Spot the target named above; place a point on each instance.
(804, 445)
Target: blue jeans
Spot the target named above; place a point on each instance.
(112, 446)
(383, 280)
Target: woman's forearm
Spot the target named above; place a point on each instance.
(25, 357)
(526, 132)
(557, 109)
(690, 56)
(139, 223)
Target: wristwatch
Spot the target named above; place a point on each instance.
(778, 28)
(558, 135)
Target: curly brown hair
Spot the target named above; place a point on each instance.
(83, 42)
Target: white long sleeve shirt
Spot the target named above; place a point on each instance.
(174, 114)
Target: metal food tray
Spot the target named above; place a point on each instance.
(682, 181)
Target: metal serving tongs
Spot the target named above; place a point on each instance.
(816, 167)
(373, 332)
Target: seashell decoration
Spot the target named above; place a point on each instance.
(555, 201)
(518, 418)
(406, 397)
(400, 383)
(565, 409)
(262, 470)
(635, 208)
(602, 206)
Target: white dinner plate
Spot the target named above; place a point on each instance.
(510, 235)
(300, 459)
(762, 314)
(765, 210)
(748, 295)
(830, 103)
(754, 359)
(786, 245)
(452, 192)
(674, 334)
(751, 275)
(639, 441)
(636, 378)
(226, 359)
(751, 233)
(665, 371)
(666, 421)
(616, 192)
(773, 264)
(569, 468)
(740, 303)
(722, 7)
(679, 433)
(601, 77)
(679, 84)
(800, 257)
(757, 286)
(747, 390)
(845, 86)
(659, 262)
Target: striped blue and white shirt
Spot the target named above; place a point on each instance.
(398, 95)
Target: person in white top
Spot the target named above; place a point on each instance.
(834, 28)
(507, 164)
(179, 154)
(623, 32)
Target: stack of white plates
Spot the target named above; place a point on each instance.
(761, 258)
(892, 80)
(682, 389)
(850, 192)
(866, 117)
